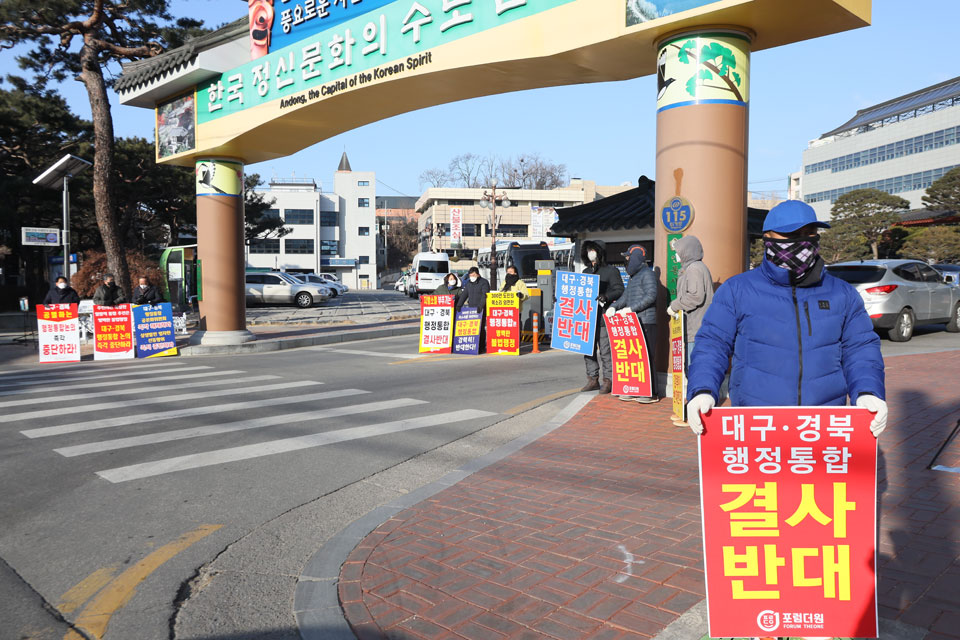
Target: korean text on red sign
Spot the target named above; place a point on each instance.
(436, 324)
(112, 332)
(632, 375)
(503, 323)
(58, 330)
(575, 312)
(789, 521)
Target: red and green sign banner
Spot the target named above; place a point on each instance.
(788, 496)
(503, 323)
(632, 374)
(58, 328)
(112, 332)
(436, 324)
(678, 358)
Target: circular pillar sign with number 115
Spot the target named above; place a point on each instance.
(676, 215)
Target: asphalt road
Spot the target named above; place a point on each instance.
(133, 474)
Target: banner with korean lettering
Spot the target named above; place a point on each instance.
(456, 226)
(503, 323)
(788, 496)
(466, 331)
(112, 332)
(632, 375)
(575, 312)
(58, 328)
(436, 324)
(153, 330)
(678, 361)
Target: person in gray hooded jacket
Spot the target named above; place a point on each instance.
(640, 297)
(694, 287)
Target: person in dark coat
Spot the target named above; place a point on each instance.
(475, 291)
(797, 335)
(62, 293)
(640, 297)
(109, 294)
(450, 287)
(146, 293)
(594, 257)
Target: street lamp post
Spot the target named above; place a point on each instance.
(489, 201)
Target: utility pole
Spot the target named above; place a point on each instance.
(489, 201)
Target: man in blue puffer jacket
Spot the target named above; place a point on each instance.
(798, 335)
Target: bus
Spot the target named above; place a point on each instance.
(564, 256)
(522, 255)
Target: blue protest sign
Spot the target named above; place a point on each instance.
(575, 312)
(466, 332)
(153, 331)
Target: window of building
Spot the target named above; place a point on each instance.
(363, 183)
(461, 203)
(472, 230)
(298, 216)
(265, 245)
(363, 231)
(897, 184)
(298, 246)
(271, 213)
(363, 259)
(882, 153)
(555, 204)
(328, 218)
(512, 230)
(329, 248)
(363, 202)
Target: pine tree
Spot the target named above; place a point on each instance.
(865, 214)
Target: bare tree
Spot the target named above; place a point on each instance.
(465, 170)
(531, 171)
(434, 178)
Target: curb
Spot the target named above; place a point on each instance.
(316, 603)
(279, 344)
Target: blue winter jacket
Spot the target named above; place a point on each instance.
(791, 345)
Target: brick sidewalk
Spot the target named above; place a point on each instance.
(593, 531)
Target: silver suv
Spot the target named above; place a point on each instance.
(274, 287)
(899, 294)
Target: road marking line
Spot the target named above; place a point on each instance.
(84, 368)
(116, 383)
(123, 421)
(96, 616)
(85, 589)
(243, 425)
(155, 399)
(536, 402)
(379, 354)
(286, 445)
(110, 375)
(139, 389)
(429, 358)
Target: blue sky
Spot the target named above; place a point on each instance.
(797, 92)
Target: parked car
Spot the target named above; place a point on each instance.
(275, 287)
(333, 286)
(427, 273)
(401, 283)
(333, 279)
(952, 270)
(899, 294)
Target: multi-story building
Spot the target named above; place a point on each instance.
(529, 217)
(330, 232)
(900, 146)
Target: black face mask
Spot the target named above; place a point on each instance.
(797, 255)
(511, 279)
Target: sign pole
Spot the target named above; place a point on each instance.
(66, 227)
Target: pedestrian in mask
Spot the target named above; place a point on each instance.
(61, 293)
(146, 293)
(512, 282)
(475, 291)
(108, 294)
(797, 335)
(593, 255)
(640, 297)
(694, 287)
(450, 287)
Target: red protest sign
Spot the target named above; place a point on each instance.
(58, 331)
(632, 375)
(503, 323)
(112, 332)
(789, 521)
(436, 324)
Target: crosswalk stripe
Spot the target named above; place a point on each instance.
(109, 375)
(88, 367)
(154, 399)
(122, 421)
(85, 371)
(216, 429)
(286, 445)
(139, 389)
(380, 354)
(59, 388)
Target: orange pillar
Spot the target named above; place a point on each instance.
(220, 242)
(703, 83)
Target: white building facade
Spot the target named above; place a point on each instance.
(329, 232)
(900, 146)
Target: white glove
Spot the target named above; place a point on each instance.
(702, 403)
(610, 312)
(624, 311)
(672, 313)
(873, 404)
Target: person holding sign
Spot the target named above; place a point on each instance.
(640, 297)
(62, 293)
(593, 255)
(694, 287)
(798, 336)
(146, 293)
(108, 294)
(512, 282)
(450, 287)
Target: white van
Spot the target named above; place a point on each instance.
(427, 273)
